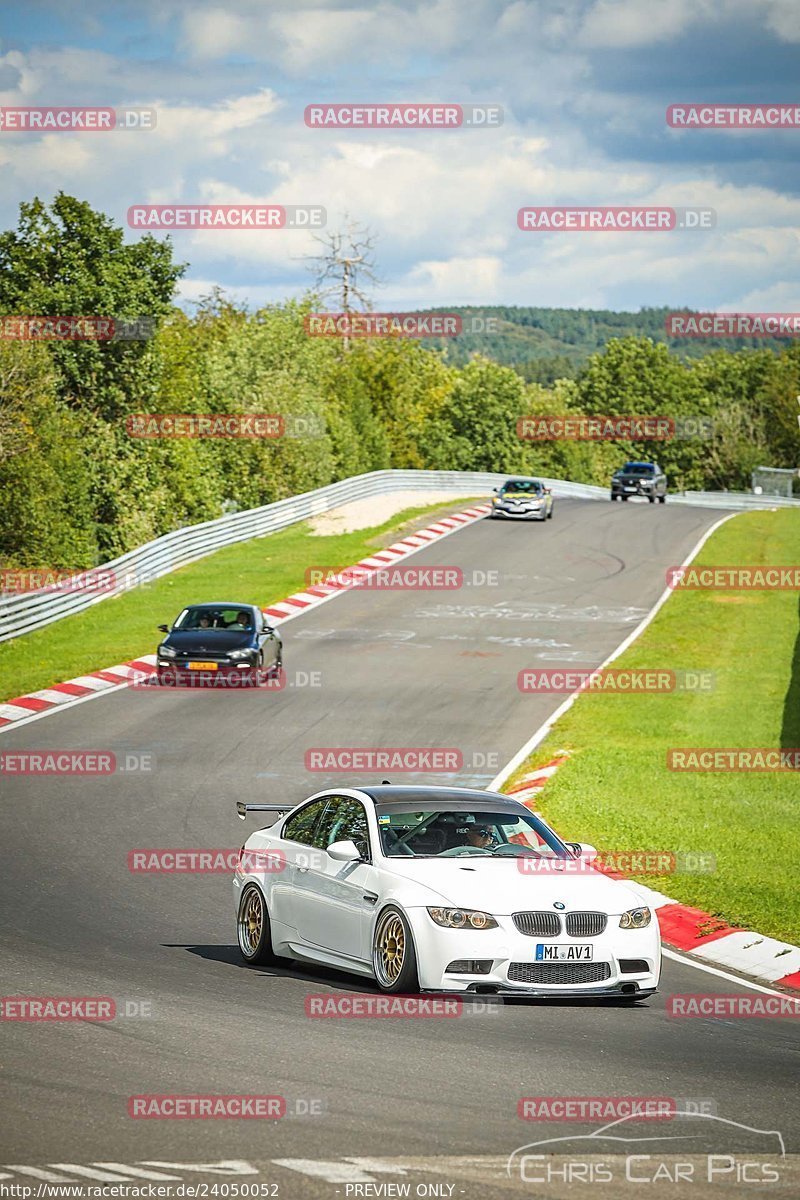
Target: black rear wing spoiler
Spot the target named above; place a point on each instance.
(243, 809)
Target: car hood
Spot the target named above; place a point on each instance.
(499, 886)
(216, 641)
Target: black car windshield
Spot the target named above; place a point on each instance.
(638, 469)
(202, 617)
(521, 485)
(448, 834)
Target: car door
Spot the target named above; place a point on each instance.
(333, 901)
(297, 844)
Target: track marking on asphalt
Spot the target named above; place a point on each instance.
(116, 1172)
(92, 1173)
(348, 1170)
(139, 1172)
(227, 1166)
(37, 1173)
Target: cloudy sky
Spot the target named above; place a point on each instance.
(584, 85)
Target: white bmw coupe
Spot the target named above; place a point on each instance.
(441, 890)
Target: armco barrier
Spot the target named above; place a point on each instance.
(24, 613)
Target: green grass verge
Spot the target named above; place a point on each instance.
(259, 571)
(616, 791)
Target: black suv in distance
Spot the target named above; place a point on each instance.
(639, 479)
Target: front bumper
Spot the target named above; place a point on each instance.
(528, 514)
(232, 675)
(628, 489)
(505, 947)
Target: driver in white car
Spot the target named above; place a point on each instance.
(479, 836)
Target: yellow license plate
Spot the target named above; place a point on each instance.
(198, 666)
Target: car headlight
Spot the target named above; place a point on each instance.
(462, 918)
(240, 654)
(635, 918)
(167, 651)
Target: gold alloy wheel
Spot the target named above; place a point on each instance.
(390, 949)
(251, 922)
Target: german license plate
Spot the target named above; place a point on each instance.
(547, 952)
(202, 666)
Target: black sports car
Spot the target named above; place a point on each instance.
(522, 500)
(639, 479)
(229, 643)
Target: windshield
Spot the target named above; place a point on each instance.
(448, 834)
(521, 485)
(638, 469)
(202, 617)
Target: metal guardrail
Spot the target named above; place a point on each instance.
(22, 613)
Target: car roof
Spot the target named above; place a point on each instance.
(454, 799)
(222, 604)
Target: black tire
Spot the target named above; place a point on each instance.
(662, 499)
(623, 497)
(394, 959)
(550, 514)
(614, 497)
(652, 499)
(253, 930)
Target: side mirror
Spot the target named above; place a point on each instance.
(164, 628)
(582, 850)
(346, 851)
(495, 489)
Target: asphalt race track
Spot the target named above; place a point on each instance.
(394, 669)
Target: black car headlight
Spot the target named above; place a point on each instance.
(635, 918)
(462, 918)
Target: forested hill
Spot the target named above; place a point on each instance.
(544, 344)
